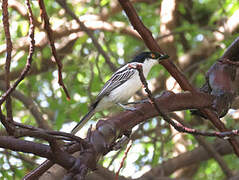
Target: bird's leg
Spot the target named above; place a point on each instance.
(126, 107)
(136, 102)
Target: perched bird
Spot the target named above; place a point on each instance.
(122, 85)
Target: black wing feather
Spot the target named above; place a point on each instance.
(117, 79)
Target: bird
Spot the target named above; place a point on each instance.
(122, 85)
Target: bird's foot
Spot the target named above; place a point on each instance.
(130, 108)
(136, 102)
(126, 107)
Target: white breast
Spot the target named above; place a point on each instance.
(127, 89)
(130, 87)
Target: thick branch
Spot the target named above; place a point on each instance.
(42, 150)
(171, 68)
(167, 102)
(152, 44)
(178, 126)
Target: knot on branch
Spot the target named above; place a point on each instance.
(220, 83)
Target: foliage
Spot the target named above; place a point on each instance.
(85, 71)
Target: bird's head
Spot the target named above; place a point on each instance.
(149, 56)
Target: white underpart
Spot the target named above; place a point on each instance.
(127, 89)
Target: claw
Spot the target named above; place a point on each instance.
(130, 108)
(126, 107)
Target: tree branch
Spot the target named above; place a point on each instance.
(152, 44)
(30, 105)
(29, 59)
(171, 68)
(208, 147)
(53, 48)
(89, 33)
(42, 150)
(178, 126)
(7, 68)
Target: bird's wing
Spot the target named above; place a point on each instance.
(117, 79)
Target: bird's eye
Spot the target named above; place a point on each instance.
(153, 56)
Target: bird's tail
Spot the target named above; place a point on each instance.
(83, 121)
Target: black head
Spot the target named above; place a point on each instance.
(148, 55)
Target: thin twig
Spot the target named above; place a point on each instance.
(42, 168)
(48, 29)
(178, 126)
(30, 105)
(152, 44)
(5, 17)
(5, 123)
(55, 134)
(122, 162)
(63, 158)
(29, 58)
(51, 137)
(89, 33)
(208, 147)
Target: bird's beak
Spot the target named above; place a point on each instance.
(158, 56)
